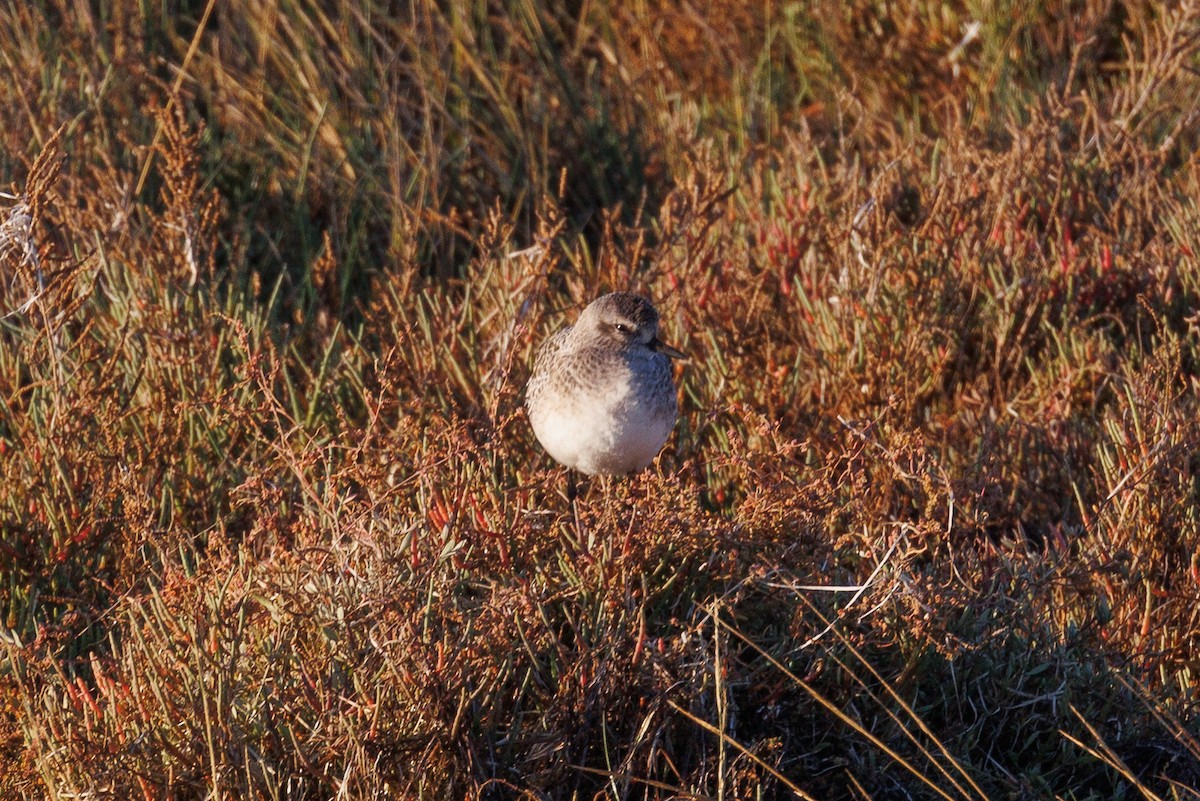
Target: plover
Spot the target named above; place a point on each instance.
(601, 399)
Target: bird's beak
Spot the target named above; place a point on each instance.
(667, 350)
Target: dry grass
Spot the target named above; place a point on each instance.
(272, 521)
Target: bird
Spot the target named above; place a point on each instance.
(602, 399)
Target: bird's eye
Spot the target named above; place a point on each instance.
(624, 329)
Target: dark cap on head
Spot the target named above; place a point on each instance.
(635, 308)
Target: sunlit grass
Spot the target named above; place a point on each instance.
(272, 521)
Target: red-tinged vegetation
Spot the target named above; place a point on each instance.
(272, 521)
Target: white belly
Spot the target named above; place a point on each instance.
(604, 435)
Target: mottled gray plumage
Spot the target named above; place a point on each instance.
(601, 398)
